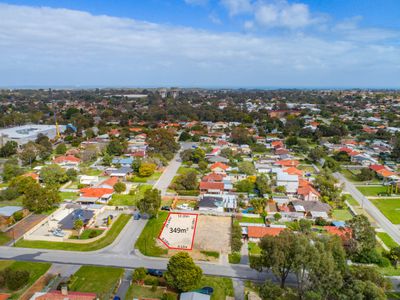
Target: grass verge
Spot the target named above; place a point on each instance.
(146, 243)
(387, 240)
(390, 207)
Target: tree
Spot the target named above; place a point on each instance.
(236, 237)
(78, 224)
(28, 154)
(9, 148)
(107, 159)
(11, 170)
(247, 168)
(331, 164)
(151, 202)
(41, 199)
(182, 273)
(245, 186)
(53, 175)
(185, 136)
(342, 156)
(316, 154)
(277, 216)
(61, 149)
(363, 236)
(162, 141)
(394, 256)
(366, 174)
(240, 135)
(116, 147)
(187, 181)
(147, 169)
(203, 165)
(139, 274)
(262, 185)
(120, 187)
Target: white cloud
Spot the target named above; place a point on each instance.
(214, 18)
(236, 7)
(65, 47)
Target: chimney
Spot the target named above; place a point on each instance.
(64, 290)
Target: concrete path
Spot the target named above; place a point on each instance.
(238, 286)
(370, 208)
(125, 284)
(244, 252)
(63, 270)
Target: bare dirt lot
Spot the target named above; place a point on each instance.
(213, 234)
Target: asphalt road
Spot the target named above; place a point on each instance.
(170, 171)
(370, 208)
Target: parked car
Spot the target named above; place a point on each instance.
(136, 216)
(168, 208)
(155, 272)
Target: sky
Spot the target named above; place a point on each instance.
(200, 43)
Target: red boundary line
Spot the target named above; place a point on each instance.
(194, 230)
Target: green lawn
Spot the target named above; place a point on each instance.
(342, 214)
(390, 207)
(68, 195)
(36, 270)
(372, 191)
(99, 280)
(86, 234)
(387, 240)
(250, 220)
(351, 175)
(137, 292)
(393, 295)
(4, 238)
(146, 242)
(254, 249)
(183, 170)
(130, 200)
(91, 172)
(353, 202)
(222, 286)
(15, 202)
(111, 235)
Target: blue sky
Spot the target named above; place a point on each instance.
(205, 43)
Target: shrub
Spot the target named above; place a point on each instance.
(236, 237)
(14, 279)
(139, 274)
(168, 296)
(319, 221)
(18, 216)
(234, 258)
(151, 280)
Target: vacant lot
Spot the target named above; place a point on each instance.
(213, 233)
(128, 199)
(341, 214)
(390, 207)
(372, 191)
(99, 280)
(179, 231)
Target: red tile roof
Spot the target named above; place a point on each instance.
(32, 175)
(260, 232)
(66, 158)
(4, 296)
(293, 171)
(95, 192)
(306, 190)
(219, 165)
(277, 144)
(57, 295)
(211, 185)
(212, 177)
(377, 168)
(287, 163)
(343, 232)
(110, 181)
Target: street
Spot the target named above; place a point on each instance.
(370, 208)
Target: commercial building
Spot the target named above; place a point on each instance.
(26, 133)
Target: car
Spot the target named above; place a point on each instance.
(168, 208)
(155, 272)
(207, 290)
(117, 298)
(136, 216)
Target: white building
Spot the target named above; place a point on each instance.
(26, 133)
(290, 182)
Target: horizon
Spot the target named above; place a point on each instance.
(201, 43)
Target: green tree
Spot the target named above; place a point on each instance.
(147, 169)
(203, 165)
(41, 199)
(78, 224)
(331, 164)
(53, 175)
(245, 186)
(116, 147)
(151, 202)
(162, 141)
(187, 181)
(236, 237)
(120, 187)
(28, 154)
(182, 273)
(262, 185)
(9, 148)
(365, 174)
(61, 149)
(316, 154)
(139, 274)
(247, 168)
(185, 136)
(11, 170)
(107, 159)
(363, 235)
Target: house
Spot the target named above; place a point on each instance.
(95, 194)
(263, 168)
(108, 183)
(88, 180)
(217, 158)
(307, 192)
(6, 214)
(34, 176)
(211, 187)
(123, 161)
(287, 163)
(122, 172)
(219, 168)
(344, 233)
(255, 233)
(290, 182)
(311, 209)
(63, 295)
(67, 161)
(293, 171)
(86, 215)
(217, 203)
